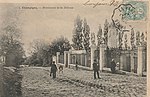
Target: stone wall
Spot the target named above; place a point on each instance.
(126, 59)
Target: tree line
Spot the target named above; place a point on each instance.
(41, 54)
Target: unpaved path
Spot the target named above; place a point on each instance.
(36, 82)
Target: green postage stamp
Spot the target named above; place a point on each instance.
(136, 10)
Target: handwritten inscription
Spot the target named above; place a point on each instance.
(100, 3)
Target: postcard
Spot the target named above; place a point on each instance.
(88, 48)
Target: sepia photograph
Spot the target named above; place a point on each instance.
(89, 49)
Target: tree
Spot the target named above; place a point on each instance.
(10, 45)
(99, 36)
(142, 39)
(120, 29)
(77, 34)
(137, 38)
(40, 53)
(86, 38)
(106, 24)
(60, 44)
(132, 39)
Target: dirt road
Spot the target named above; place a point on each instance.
(36, 82)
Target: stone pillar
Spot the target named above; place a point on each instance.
(144, 61)
(93, 48)
(69, 59)
(102, 56)
(132, 61)
(57, 57)
(140, 61)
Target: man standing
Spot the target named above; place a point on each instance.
(53, 69)
(76, 65)
(113, 66)
(95, 68)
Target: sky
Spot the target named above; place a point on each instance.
(49, 24)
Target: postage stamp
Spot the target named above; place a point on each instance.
(135, 10)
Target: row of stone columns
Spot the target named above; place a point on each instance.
(102, 58)
(67, 58)
(140, 61)
(66, 61)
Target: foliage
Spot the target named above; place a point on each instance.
(106, 31)
(113, 52)
(77, 34)
(10, 44)
(137, 38)
(93, 38)
(60, 44)
(99, 36)
(40, 53)
(142, 41)
(81, 38)
(86, 38)
(125, 41)
(119, 28)
(132, 39)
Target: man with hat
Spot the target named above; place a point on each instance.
(53, 69)
(96, 68)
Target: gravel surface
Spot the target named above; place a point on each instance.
(36, 82)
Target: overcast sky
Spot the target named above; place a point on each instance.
(49, 24)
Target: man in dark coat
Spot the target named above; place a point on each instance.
(53, 69)
(113, 66)
(96, 68)
(76, 65)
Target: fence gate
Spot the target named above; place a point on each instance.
(112, 53)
